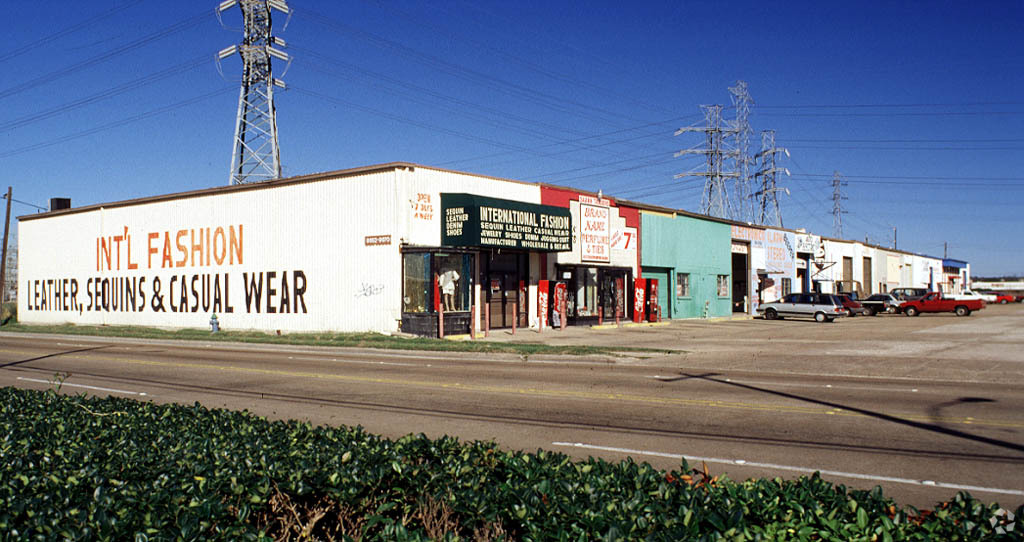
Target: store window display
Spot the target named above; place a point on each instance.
(450, 272)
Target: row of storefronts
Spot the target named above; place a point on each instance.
(404, 247)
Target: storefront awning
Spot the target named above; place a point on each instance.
(470, 220)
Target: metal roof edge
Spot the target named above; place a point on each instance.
(218, 190)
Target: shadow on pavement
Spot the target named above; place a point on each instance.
(933, 427)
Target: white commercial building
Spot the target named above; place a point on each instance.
(381, 248)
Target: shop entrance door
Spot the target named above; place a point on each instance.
(502, 296)
(613, 288)
(740, 284)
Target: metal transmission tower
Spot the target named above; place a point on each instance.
(837, 207)
(715, 201)
(256, 156)
(770, 214)
(742, 101)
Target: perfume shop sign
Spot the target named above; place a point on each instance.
(471, 220)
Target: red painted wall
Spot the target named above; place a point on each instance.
(560, 197)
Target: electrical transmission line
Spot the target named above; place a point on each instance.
(256, 156)
(769, 214)
(837, 207)
(742, 101)
(715, 201)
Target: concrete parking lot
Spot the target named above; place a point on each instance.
(987, 346)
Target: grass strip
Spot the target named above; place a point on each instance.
(355, 340)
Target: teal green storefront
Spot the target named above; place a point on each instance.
(691, 259)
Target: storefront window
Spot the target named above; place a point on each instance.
(453, 273)
(787, 286)
(586, 291)
(416, 278)
(453, 277)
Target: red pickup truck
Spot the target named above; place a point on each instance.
(934, 302)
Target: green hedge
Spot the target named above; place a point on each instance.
(84, 468)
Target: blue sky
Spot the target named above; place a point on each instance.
(918, 105)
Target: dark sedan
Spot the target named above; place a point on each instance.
(879, 303)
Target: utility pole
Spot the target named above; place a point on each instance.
(256, 156)
(770, 214)
(837, 207)
(894, 237)
(945, 250)
(715, 201)
(3, 266)
(742, 101)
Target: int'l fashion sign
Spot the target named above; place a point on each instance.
(471, 220)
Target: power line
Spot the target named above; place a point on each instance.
(418, 93)
(918, 183)
(893, 148)
(884, 105)
(406, 120)
(514, 89)
(79, 66)
(804, 140)
(109, 93)
(596, 136)
(899, 114)
(67, 31)
(115, 124)
(519, 60)
(25, 203)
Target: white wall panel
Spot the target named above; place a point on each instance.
(420, 195)
(296, 237)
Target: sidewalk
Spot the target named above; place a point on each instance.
(664, 334)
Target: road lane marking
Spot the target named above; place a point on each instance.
(546, 393)
(809, 470)
(358, 361)
(70, 385)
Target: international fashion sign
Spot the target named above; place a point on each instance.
(470, 220)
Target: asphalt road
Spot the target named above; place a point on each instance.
(922, 406)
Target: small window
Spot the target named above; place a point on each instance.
(723, 285)
(787, 286)
(682, 285)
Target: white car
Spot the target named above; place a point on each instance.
(968, 294)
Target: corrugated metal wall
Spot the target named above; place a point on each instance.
(683, 244)
(315, 256)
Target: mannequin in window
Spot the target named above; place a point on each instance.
(446, 281)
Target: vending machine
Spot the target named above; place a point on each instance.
(652, 309)
(559, 299)
(639, 298)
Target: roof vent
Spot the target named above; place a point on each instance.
(57, 204)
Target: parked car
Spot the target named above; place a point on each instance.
(852, 306)
(821, 307)
(969, 294)
(879, 303)
(936, 302)
(905, 294)
(1003, 299)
